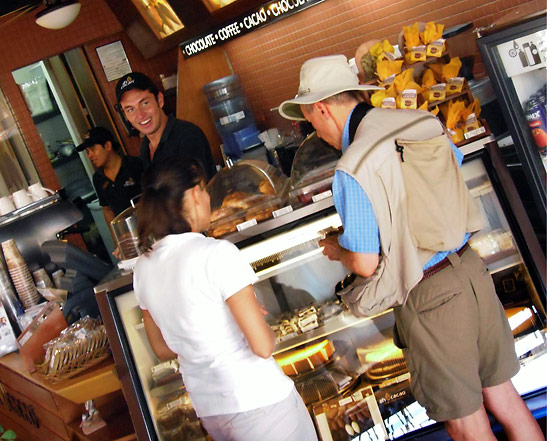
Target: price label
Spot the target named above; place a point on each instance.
(345, 401)
(282, 211)
(321, 196)
(475, 132)
(244, 225)
(287, 336)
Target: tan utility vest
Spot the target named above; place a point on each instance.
(421, 202)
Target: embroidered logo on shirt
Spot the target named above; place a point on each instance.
(129, 182)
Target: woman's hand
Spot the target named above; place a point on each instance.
(249, 316)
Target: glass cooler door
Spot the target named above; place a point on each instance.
(515, 58)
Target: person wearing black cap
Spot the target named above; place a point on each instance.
(141, 103)
(117, 179)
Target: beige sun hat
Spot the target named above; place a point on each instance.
(321, 78)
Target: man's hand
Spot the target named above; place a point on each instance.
(363, 264)
(117, 254)
(331, 248)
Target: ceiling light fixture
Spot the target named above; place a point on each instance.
(58, 14)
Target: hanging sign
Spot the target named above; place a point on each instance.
(254, 19)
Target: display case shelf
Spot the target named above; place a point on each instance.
(284, 266)
(342, 321)
(509, 261)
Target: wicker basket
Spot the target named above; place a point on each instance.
(75, 357)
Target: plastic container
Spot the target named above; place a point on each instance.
(232, 117)
(248, 192)
(247, 137)
(312, 171)
(124, 227)
(223, 89)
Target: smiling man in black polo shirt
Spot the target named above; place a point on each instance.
(118, 178)
(164, 137)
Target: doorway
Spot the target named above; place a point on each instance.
(64, 102)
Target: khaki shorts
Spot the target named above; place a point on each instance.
(456, 338)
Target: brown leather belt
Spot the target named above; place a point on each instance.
(443, 263)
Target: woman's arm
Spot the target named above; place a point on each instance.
(248, 315)
(155, 338)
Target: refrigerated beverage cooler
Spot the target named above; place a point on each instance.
(515, 57)
(351, 376)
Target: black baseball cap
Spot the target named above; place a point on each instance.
(134, 80)
(96, 135)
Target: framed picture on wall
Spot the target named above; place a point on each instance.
(159, 16)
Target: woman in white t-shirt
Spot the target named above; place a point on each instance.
(198, 304)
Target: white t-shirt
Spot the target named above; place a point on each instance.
(184, 283)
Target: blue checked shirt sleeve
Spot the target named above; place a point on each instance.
(361, 233)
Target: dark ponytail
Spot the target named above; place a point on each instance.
(159, 210)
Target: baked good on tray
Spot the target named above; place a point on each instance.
(307, 359)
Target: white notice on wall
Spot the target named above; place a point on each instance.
(114, 60)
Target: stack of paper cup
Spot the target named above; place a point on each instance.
(20, 274)
(41, 279)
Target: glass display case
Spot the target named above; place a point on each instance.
(347, 369)
(312, 171)
(243, 195)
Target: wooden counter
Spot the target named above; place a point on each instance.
(39, 410)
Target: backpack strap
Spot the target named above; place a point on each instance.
(356, 116)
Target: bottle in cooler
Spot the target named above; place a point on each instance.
(535, 115)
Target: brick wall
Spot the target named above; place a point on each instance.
(268, 60)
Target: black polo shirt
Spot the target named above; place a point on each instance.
(180, 138)
(118, 194)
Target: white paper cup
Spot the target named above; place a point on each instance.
(6, 205)
(21, 198)
(38, 192)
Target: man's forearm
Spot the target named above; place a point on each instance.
(362, 264)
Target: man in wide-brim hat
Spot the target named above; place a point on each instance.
(457, 342)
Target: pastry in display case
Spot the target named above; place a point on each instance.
(245, 194)
(351, 376)
(312, 171)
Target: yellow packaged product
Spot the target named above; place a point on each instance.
(450, 70)
(415, 54)
(378, 97)
(388, 82)
(432, 38)
(428, 79)
(436, 48)
(456, 135)
(437, 92)
(471, 123)
(411, 35)
(454, 85)
(408, 99)
(389, 103)
(387, 68)
(405, 81)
